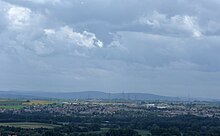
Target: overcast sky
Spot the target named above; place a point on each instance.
(166, 47)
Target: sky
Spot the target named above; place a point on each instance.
(163, 47)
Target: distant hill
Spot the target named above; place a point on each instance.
(83, 95)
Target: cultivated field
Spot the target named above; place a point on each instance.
(10, 104)
(38, 102)
(19, 104)
(29, 125)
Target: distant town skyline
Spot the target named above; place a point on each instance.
(164, 47)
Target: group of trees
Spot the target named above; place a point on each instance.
(69, 130)
(120, 124)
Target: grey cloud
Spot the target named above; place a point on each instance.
(164, 47)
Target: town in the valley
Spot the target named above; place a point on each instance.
(103, 117)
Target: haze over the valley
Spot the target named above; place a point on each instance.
(162, 47)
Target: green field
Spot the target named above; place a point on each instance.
(29, 125)
(12, 107)
(38, 102)
(10, 104)
(19, 104)
(7, 102)
(143, 132)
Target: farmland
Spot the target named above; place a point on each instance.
(19, 104)
(38, 102)
(29, 125)
(11, 104)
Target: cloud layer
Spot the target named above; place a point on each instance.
(162, 47)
